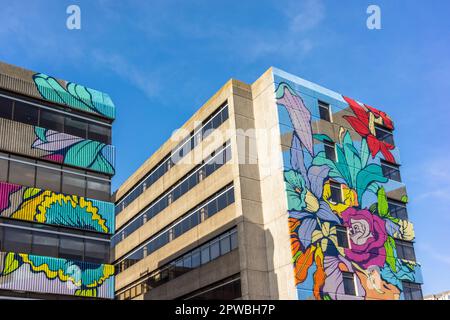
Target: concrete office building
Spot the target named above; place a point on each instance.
(281, 189)
(56, 164)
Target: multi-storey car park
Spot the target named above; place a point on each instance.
(56, 165)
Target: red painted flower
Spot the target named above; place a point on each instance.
(364, 124)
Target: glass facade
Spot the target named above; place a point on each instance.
(56, 220)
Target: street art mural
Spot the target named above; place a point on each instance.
(319, 261)
(44, 206)
(74, 95)
(57, 147)
(55, 276)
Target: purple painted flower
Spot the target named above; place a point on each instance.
(367, 236)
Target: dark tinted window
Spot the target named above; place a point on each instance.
(71, 249)
(324, 111)
(48, 179)
(349, 283)
(336, 195)
(25, 113)
(51, 120)
(45, 244)
(391, 171)
(412, 291)
(5, 108)
(73, 184)
(3, 167)
(330, 152)
(76, 127)
(98, 189)
(342, 237)
(384, 134)
(99, 133)
(17, 240)
(405, 250)
(398, 209)
(21, 173)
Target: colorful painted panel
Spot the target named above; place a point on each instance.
(24, 272)
(45, 87)
(43, 206)
(320, 262)
(56, 147)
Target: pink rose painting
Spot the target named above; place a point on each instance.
(367, 236)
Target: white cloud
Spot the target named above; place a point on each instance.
(305, 15)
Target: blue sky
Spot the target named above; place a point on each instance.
(161, 60)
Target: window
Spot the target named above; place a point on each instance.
(349, 283)
(99, 133)
(398, 209)
(412, 291)
(391, 171)
(75, 127)
(3, 167)
(45, 244)
(225, 245)
(71, 249)
(5, 108)
(384, 134)
(21, 173)
(324, 111)
(73, 184)
(342, 236)
(215, 250)
(98, 189)
(205, 254)
(96, 251)
(48, 179)
(26, 113)
(51, 120)
(405, 250)
(330, 151)
(336, 195)
(18, 241)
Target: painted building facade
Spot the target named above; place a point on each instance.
(306, 202)
(56, 165)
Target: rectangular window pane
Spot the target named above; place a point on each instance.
(45, 244)
(51, 120)
(75, 127)
(5, 108)
(18, 241)
(96, 251)
(21, 173)
(48, 179)
(215, 250)
(336, 195)
(205, 255)
(196, 259)
(349, 283)
(225, 246)
(25, 113)
(324, 111)
(342, 237)
(398, 209)
(98, 189)
(3, 168)
(391, 171)
(74, 184)
(99, 133)
(330, 151)
(385, 135)
(234, 241)
(71, 248)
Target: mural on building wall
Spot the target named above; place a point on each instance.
(55, 146)
(68, 149)
(319, 262)
(44, 206)
(74, 95)
(56, 276)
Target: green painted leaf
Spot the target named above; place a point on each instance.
(30, 192)
(50, 89)
(405, 199)
(389, 245)
(322, 137)
(85, 154)
(364, 153)
(371, 173)
(11, 264)
(383, 207)
(40, 133)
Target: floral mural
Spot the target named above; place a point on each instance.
(44, 206)
(54, 275)
(320, 262)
